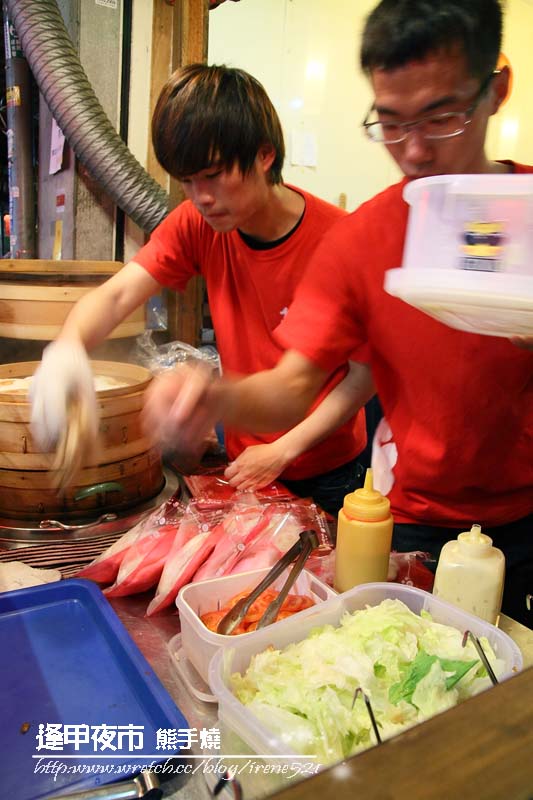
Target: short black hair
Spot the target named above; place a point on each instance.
(399, 31)
(214, 114)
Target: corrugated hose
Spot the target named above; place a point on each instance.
(62, 81)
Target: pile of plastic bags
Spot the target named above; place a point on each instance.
(178, 544)
(219, 532)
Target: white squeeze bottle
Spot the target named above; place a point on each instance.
(470, 574)
(364, 535)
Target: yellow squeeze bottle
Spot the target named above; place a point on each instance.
(364, 536)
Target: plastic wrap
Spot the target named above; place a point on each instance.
(142, 564)
(161, 357)
(105, 568)
(198, 533)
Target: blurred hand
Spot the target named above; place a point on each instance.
(64, 374)
(181, 407)
(257, 466)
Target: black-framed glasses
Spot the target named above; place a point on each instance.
(433, 127)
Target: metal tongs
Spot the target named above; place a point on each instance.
(481, 653)
(145, 785)
(360, 693)
(300, 551)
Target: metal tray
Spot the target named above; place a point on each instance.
(67, 660)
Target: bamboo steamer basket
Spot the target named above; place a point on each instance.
(36, 296)
(125, 470)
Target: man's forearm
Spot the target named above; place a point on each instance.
(89, 322)
(274, 399)
(342, 403)
(99, 312)
(183, 404)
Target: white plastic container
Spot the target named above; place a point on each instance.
(467, 256)
(237, 658)
(199, 644)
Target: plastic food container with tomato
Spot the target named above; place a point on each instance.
(200, 644)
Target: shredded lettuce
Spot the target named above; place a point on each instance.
(409, 667)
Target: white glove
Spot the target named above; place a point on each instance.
(64, 373)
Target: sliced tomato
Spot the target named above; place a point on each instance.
(212, 618)
(234, 600)
(259, 606)
(291, 605)
(296, 602)
(242, 627)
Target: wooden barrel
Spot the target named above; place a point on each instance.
(37, 295)
(124, 471)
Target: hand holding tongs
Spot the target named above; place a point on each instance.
(300, 551)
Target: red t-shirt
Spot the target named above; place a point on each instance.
(249, 293)
(460, 405)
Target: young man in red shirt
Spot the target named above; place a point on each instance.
(250, 236)
(457, 438)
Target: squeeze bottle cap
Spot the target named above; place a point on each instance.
(367, 504)
(474, 540)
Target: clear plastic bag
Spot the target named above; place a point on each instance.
(211, 486)
(199, 532)
(407, 568)
(240, 525)
(104, 569)
(142, 564)
(161, 357)
(257, 533)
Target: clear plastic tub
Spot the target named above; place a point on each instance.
(467, 252)
(198, 643)
(233, 659)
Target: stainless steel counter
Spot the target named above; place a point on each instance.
(151, 635)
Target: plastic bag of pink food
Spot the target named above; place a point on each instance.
(214, 541)
(143, 562)
(212, 485)
(197, 536)
(256, 535)
(104, 568)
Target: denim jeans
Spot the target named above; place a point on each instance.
(328, 490)
(515, 539)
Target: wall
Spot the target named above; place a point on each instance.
(139, 117)
(87, 215)
(305, 53)
(511, 131)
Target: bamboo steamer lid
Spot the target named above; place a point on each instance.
(36, 296)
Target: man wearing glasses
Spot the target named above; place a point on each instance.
(432, 127)
(456, 444)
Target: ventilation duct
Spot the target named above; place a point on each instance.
(65, 87)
